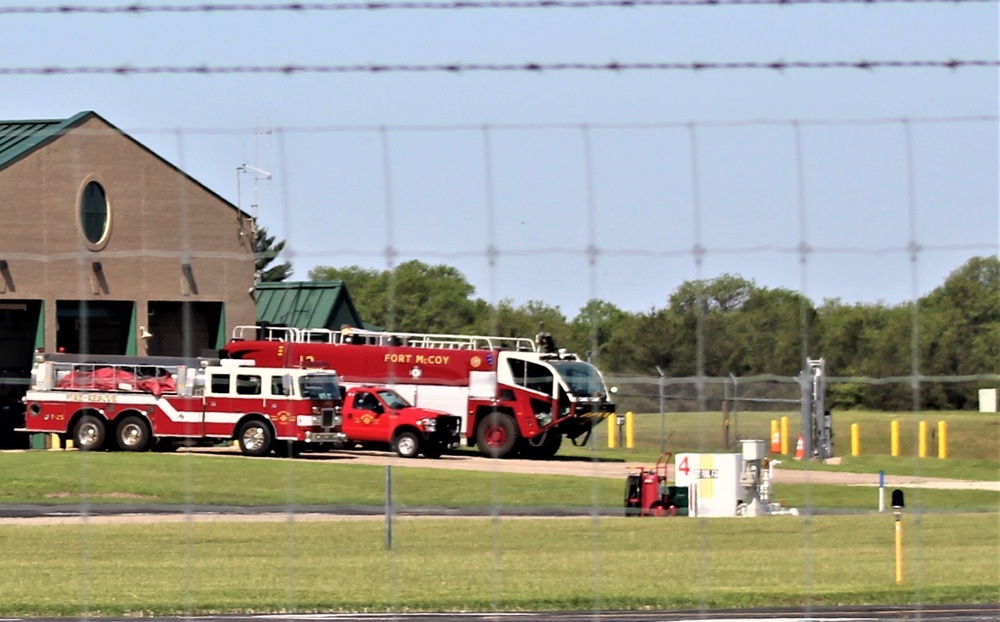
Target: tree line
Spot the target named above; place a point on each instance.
(730, 326)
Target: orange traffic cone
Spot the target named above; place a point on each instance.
(800, 449)
(776, 442)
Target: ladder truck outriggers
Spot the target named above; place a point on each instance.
(515, 396)
(139, 403)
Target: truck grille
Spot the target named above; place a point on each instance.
(449, 426)
(329, 417)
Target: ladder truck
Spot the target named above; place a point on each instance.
(139, 403)
(515, 396)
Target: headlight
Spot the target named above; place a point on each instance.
(429, 424)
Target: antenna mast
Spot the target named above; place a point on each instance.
(258, 175)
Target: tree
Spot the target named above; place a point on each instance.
(959, 330)
(594, 325)
(774, 332)
(526, 321)
(266, 251)
(412, 297)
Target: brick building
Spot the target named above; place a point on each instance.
(107, 248)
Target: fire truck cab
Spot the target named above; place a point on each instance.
(514, 396)
(138, 403)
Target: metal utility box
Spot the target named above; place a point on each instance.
(753, 449)
(714, 482)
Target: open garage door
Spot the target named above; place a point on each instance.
(95, 327)
(21, 332)
(183, 328)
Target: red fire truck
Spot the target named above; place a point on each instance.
(136, 403)
(380, 417)
(515, 396)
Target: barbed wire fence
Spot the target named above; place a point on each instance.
(650, 394)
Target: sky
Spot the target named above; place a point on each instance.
(864, 185)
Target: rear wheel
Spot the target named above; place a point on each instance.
(89, 433)
(497, 435)
(133, 434)
(255, 438)
(542, 447)
(407, 445)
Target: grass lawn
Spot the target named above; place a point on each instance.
(504, 564)
(973, 440)
(840, 552)
(191, 479)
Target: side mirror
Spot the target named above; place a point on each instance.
(286, 387)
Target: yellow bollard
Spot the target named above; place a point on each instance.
(775, 437)
(784, 436)
(629, 430)
(942, 440)
(894, 438)
(54, 442)
(922, 439)
(69, 443)
(855, 440)
(899, 550)
(612, 433)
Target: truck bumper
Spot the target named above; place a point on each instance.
(325, 437)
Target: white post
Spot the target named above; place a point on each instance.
(881, 491)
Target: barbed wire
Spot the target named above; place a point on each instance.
(138, 8)
(562, 251)
(612, 66)
(534, 126)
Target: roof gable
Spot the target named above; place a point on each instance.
(306, 304)
(19, 138)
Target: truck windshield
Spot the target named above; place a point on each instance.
(393, 399)
(319, 387)
(583, 379)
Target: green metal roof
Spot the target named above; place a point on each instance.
(19, 138)
(306, 304)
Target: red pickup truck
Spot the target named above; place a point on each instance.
(378, 416)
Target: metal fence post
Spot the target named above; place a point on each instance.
(388, 507)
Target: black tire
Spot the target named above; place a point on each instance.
(133, 434)
(89, 433)
(255, 438)
(407, 445)
(497, 435)
(433, 450)
(544, 448)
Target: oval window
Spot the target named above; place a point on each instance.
(94, 213)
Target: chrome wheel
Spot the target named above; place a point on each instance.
(89, 433)
(407, 445)
(253, 438)
(132, 435)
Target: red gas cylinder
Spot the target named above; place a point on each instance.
(650, 491)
